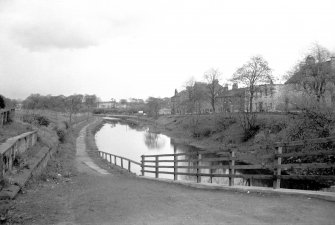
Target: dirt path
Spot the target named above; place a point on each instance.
(96, 196)
(83, 162)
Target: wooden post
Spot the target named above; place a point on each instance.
(231, 169)
(175, 169)
(1, 167)
(211, 177)
(277, 170)
(156, 166)
(175, 163)
(115, 159)
(142, 164)
(198, 163)
(128, 165)
(110, 158)
(121, 163)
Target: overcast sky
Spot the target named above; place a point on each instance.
(131, 48)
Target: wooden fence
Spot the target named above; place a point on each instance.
(227, 161)
(113, 160)
(6, 115)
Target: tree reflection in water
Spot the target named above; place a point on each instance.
(153, 141)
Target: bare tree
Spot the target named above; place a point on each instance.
(73, 104)
(189, 87)
(212, 78)
(315, 74)
(256, 71)
(154, 105)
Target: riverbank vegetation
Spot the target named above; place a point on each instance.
(252, 134)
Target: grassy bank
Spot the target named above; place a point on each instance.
(13, 129)
(218, 131)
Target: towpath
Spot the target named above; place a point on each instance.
(105, 196)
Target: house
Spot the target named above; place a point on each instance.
(193, 100)
(164, 111)
(106, 105)
(306, 83)
(232, 100)
(267, 98)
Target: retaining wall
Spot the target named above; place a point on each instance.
(14, 146)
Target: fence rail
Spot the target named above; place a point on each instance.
(6, 115)
(230, 163)
(106, 155)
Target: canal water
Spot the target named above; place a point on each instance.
(132, 141)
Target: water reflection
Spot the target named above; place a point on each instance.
(131, 141)
(153, 141)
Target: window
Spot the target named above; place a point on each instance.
(266, 91)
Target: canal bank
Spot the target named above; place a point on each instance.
(115, 198)
(262, 177)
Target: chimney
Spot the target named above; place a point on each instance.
(235, 86)
(225, 88)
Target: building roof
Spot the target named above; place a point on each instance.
(297, 77)
(233, 93)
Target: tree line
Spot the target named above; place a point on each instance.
(312, 75)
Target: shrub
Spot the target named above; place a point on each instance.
(249, 123)
(222, 122)
(36, 119)
(2, 102)
(311, 123)
(42, 121)
(61, 133)
(201, 132)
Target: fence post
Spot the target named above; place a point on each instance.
(142, 164)
(277, 170)
(128, 165)
(1, 167)
(110, 158)
(211, 177)
(231, 169)
(156, 166)
(115, 160)
(175, 169)
(198, 163)
(121, 163)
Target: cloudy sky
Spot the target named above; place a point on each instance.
(132, 48)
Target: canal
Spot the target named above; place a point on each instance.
(132, 141)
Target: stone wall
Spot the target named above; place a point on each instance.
(14, 146)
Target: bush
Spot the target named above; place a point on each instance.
(61, 133)
(201, 132)
(223, 122)
(2, 102)
(36, 119)
(311, 123)
(250, 124)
